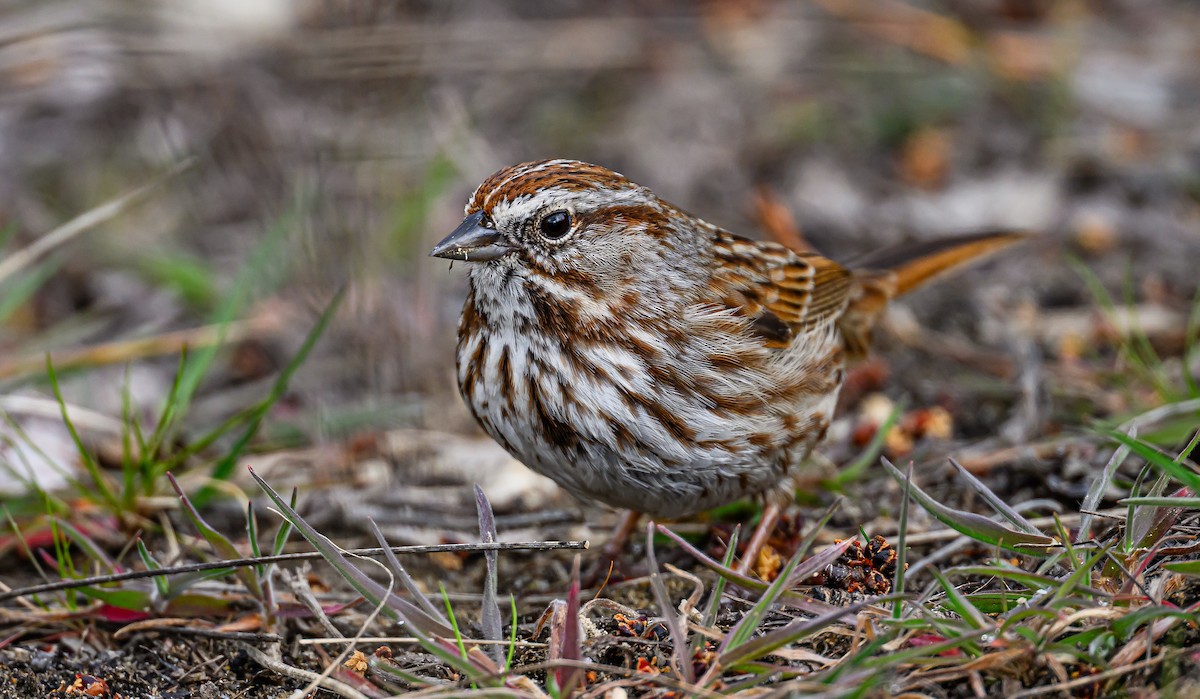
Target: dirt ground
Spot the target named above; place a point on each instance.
(329, 145)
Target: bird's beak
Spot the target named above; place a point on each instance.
(472, 241)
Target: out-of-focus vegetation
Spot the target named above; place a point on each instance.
(186, 189)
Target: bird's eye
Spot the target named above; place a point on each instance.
(555, 225)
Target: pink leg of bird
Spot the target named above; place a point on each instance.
(612, 548)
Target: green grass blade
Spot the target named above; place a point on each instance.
(900, 580)
(161, 583)
(15, 292)
(748, 624)
(974, 525)
(790, 633)
(221, 545)
(192, 372)
(714, 601)
(458, 639)
(1184, 567)
(166, 420)
(1128, 624)
(900, 657)
(252, 536)
(1191, 446)
(224, 468)
(6, 233)
(189, 277)
(1032, 581)
(285, 528)
(997, 503)
(512, 634)
(86, 544)
(960, 604)
(1134, 346)
(1074, 581)
(23, 543)
(871, 453)
(1191, 336)
(129, 466)
(1159, 459)
(99, 480)
(1000, 602)
(133, 600)
(1148, 501)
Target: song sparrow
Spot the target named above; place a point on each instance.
(647, 359)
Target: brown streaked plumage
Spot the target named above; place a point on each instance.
(644, 358)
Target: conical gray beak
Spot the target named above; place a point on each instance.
(472, 241)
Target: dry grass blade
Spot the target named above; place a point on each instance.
(1093, 679)
(1092, 500)
(81, 224)
(284, 557)
(141, 348)
(432, 634)
(279, 667)
(942, 37)
(84, 419)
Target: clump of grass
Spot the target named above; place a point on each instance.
(1042, 608)
(169, 594)
(1141, 365)
(146, 458)
(148, 451)
(437, 633)
(1050, 601)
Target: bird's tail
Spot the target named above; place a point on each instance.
(884, 275)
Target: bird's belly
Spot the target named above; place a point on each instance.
(600, 425)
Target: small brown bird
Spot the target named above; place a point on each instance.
(646, 359)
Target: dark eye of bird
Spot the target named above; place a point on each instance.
(555, 225)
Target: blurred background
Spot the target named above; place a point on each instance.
(296, 147)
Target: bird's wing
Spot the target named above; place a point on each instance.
(784, 293)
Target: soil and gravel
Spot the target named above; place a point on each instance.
(332, 144)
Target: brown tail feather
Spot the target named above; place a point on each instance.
(893, 272)
(914, 265)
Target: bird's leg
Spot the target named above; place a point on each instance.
(612, 548)
(620, 534)
(766, 525)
